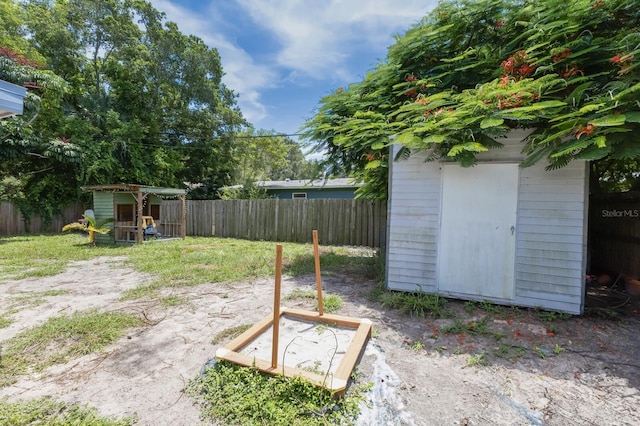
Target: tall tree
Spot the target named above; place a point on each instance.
(267, 155)
(470, 71)
(145, 103)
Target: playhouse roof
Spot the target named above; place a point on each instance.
(136, 188)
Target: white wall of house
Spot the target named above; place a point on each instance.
(549, 234)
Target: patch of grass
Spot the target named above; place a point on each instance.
(330, 302)
(5, 321)
(417, 346)
(231, 394)
(551, 315)
(478, 360)
(502, 351)
(169, 301)
(363, 261)
(59, 339)
(470, 306)
(46, 411)
(489, 307)
(230, 333)
(557, 349)
(36, 298)
(45, 255)
(178, 263)
(413, 304)
(479, 327)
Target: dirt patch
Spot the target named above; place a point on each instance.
(477, 367)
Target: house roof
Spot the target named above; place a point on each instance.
(309, 184)
(136, 188)
(11, 99)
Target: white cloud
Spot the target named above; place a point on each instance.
(318, 37)
(236, 62)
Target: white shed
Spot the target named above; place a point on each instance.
(495, 231)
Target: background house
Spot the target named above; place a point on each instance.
(128, 204)
(321, 188)
(495, 231)
(11, 99)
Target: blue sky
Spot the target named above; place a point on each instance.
(282, 56)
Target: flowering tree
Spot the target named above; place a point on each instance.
(470, 71)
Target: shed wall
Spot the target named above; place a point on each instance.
(550, 229)
(103, 206)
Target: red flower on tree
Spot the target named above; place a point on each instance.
(586, 130)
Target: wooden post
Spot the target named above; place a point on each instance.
(139, 231)
(276, 308)
(183, 233)
(316, 256)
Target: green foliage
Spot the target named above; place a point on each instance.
(478, 327)
(232, 394)
(414, 304)
(230, 333)
(248, 191)
(46, 411)
(330, 302)
(267, 155)
(551, 315)
(467, 73)
(125, 97)
(91, 226)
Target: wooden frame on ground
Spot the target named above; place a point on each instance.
(335, 382)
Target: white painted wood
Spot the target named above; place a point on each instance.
(550, 241)
(551, 246)
(477, 235)
(413, 223)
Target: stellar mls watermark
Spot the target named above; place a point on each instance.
(621, 213)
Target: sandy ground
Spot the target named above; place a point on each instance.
(586, 372)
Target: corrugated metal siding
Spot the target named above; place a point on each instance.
(550, 232)
(550, 239)
(103, 209)
(413, 224)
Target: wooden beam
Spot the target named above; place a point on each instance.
(183, 231)
(316, 257)
(140, 231)
(276, 308)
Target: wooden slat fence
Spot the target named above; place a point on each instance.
(338, 221)
(12, 223)
(614, 233)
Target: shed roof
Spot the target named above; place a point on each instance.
(136, 188)
(309, 184)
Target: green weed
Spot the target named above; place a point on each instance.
(230, 333)
(417, 346)
(479, 327)
(478, 360)
(557, 349)
(551, 315)
(330, 302)
(489, 307)
(231, 394)
(414, 304)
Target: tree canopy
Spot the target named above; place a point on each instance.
(117, 94)
(471, 70)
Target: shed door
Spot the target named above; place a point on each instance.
(476, 254)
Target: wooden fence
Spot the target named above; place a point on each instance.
(338, 221)
(614, 233)
(12, 223)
